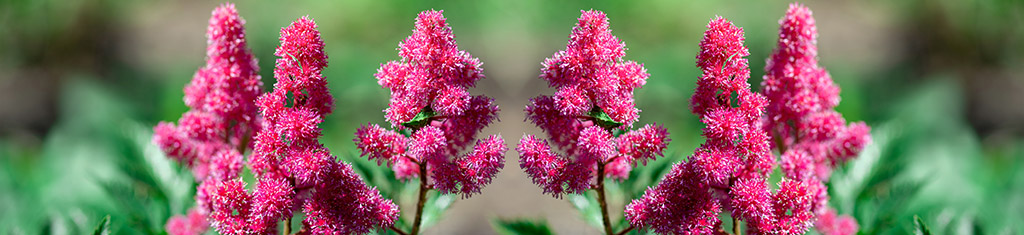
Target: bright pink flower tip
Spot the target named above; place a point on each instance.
(591, 72)
(722, 48)
(302, 51)
(433, 71)
(301, 59)
(722, 60)
(230, 81)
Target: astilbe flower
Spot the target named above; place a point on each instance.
(220, 96)
(729, 171)
(222, 117)
(431, 105)
(591, 72)
(594, 98)
(292, 168)
(812, 137)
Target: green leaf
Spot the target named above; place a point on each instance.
(104, 227)
(602, 119)
(588, 207)
(521, 226)
(421, 119)
(435, 206)
(919, 227)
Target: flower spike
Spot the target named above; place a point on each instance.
(814, 137)
(594, 97)
(430, 99)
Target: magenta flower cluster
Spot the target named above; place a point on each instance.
(590, 72)
(210, 138)
(433, 72)
(293, 170)
(729, 172)
(812, 137)
(434, 115)
(223, 116)
(594, 98)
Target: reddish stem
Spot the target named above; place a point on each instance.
(422, 200)
(602, 200)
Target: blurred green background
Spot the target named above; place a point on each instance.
(83, 82)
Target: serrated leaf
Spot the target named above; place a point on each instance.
(521, 226)
(602, 119)
(421, 119)
(103, 228)
(920, 228)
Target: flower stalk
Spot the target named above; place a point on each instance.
(603, 201)
(421, 200)
(434, 117)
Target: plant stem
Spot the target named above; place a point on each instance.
(287, 226)
(624, 231)
(243, 143)
(398, 231)
(735, 226)
(602, 200)
(422, 199)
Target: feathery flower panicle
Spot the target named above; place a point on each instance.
(594, 97)
(814, 138)
(220, 97)
(292, 168)
(210, 138)
(433, 72)
(430, 101)
(591, 72)
(729, 172)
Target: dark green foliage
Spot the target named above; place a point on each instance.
(521, 226)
